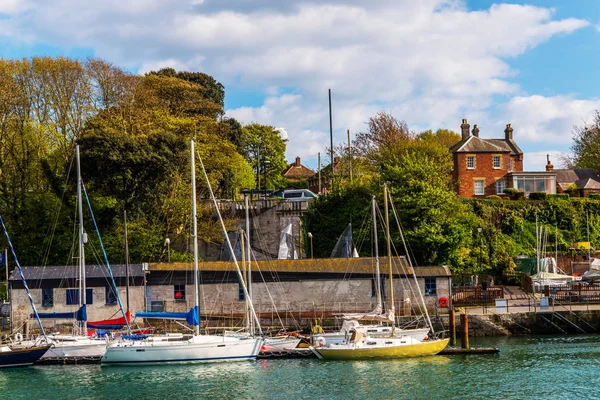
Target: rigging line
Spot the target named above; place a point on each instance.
(411, 265)
(12, 250)
(239, 272)
(106, 259)
(53, 228)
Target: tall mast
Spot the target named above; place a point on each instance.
(249, 261)
(389, 253)
(195, 233)
(126, 258)
(377, 276)
(82, 240)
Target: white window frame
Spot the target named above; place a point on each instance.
(511, 165)
(469, 158)
(499, 158)
(503, 182)
(482, 187)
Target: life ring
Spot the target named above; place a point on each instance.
(18, 337)
(443, 301)
(320, 341)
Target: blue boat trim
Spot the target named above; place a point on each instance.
(182, 360)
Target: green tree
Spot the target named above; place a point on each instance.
(265, 151)
(586, 144)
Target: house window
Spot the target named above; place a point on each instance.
(241, 294)
(430, 286)
(179, 293)
(510, 165)
(47, 297)
(497, 160)
(479, 187)
(73, 296)
(470, 162)
(500, 185)
(373, 288)
(110, 295)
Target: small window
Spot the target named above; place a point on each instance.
(500, 185)
(497, 162)
(47, 297)
(373, 288)
(430, 286)
(73, 296)
(110, 295)
(479, 187)
(241, 294)
(179, 293)
(470, 162)
(89, 296)
(510, 165)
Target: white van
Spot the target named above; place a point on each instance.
(298, 195)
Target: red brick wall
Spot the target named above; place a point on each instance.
(484, 169)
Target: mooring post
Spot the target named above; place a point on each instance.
(452, 317)
(464, 323)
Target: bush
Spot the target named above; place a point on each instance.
(517, 196)
(594, 196)
(511, 191)
(493, 197)
(562, 196)
(537, 196)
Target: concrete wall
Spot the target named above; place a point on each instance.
(99, 310)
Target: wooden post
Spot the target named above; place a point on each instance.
(464, 323)
(452, 317)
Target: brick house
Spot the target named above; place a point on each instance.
(484, 167)
(296, 171)
(579, 182)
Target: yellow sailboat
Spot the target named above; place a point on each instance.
(365, 347)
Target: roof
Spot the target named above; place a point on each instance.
(364, 265)
(586, 179)
(294, 171)
(475, 144)
(72, 272)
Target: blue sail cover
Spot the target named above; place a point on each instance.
(191, 317)
(79, 315)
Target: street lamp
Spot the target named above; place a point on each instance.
(311, 247)
(479, 229)
(168, 243)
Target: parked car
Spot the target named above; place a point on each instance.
(298, 195)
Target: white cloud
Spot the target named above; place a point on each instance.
(429, 62)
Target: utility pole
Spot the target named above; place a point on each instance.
(349, 156)
(331, 140)
(319, 168)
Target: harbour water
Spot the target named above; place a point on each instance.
(555, 367)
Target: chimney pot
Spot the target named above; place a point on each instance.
(297, 161)
(475, 130)
(508, 132)
(465, 129)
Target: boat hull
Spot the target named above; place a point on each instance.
(197, 350)
(426, 348)
(92, 349)
(279, 344)
(22, 357)
(342, 337)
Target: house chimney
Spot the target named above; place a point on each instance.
(297, 161)
(465, 129)
(549, 166)
(475, 130)
(508, 132)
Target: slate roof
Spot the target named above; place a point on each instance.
(294, 171)
(475, 144)
(586, 179)
(72, 272)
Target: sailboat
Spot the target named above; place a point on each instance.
(352, 322)
(194, 349)
(361, 346)
(21, 357)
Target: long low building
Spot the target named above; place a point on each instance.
(317, 286)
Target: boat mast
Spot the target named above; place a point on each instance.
(389, 253)
(82, 240)
(126, 258)
(377, 276)
(249, 261)
(195, 234)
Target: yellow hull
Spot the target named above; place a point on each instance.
(426, 348)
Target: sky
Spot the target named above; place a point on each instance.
(427, 62)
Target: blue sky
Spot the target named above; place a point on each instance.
(430, 63)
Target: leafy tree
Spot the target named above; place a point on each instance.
(445, 137)
(586, 144)
(265, 151)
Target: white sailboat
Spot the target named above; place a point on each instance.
(82, 345)
(195, 348)
(360, 346)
